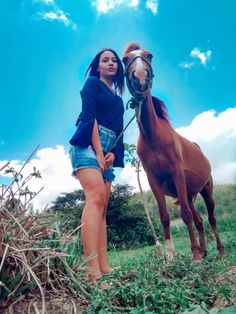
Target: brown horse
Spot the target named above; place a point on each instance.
(174, 166)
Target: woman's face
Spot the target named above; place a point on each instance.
(108, 65)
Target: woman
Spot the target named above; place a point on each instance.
(94, 153)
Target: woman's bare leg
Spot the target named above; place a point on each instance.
(93, 186)
(102, 242)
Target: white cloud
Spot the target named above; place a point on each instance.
(52, 12)
(54, 166)
(134, 3)
(203, 56)
(152, 5)
(186, 65)
(60, 16)
(104, 6)
(216, 135)
(196, 53)
(48, 1)
(209, 126)
(129, 175)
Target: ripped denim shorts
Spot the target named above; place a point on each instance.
(85, 157)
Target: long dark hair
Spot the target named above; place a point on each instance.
(118, 79)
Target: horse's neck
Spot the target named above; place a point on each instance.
(148, 124)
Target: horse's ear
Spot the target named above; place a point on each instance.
(131, 47)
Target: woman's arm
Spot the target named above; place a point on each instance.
(89, 95)
(98, 147)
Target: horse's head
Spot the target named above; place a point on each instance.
(138, 70)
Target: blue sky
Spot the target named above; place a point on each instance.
(46, 46)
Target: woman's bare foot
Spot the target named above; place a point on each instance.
(108, 270)
(104, 285)
(95, 282)
(93, 276)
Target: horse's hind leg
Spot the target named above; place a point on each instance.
(199, 226)
(207, 194)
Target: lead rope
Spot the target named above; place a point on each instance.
(123, 131)
(132, 103)
(147, 210)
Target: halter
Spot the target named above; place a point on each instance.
(129, 85)
(132, 60)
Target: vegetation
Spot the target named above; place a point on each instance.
(147, 284)
(42, 267)
(127, 222)
(38, 263)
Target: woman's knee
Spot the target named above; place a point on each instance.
(97, 199)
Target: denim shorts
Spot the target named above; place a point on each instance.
(86, 158)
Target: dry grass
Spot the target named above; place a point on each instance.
(29, 270)
(35, 276)
(227, 280)
(59, 303)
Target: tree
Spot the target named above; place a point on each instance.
(68, 201)
(126, 220)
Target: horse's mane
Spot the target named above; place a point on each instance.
(160, 108)
(131, 47)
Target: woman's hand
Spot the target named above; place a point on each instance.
(109, 158)
(101, 161)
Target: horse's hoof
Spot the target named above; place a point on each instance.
(159, 247)
(196, 261)
(222, 252)
(204, 254)
(196, 264)
(169, 256)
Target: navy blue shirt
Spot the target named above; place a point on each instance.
(99, 102)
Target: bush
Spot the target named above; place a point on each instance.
(126, 219)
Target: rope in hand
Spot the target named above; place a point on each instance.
(132, 103)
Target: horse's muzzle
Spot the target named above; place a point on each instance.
(140, 88)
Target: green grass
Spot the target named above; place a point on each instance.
(153, 286)
(117, 258)
(146, 283)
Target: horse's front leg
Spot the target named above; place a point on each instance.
(164, 216)
(186, 215)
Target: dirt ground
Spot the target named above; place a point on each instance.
(228, 279)
(60, 304)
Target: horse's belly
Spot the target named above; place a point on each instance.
(163, 180)
(163, 170)
(166, 181)
(195, 182)
(169, 189)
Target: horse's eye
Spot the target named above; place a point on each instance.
(149, 56)
(125, 60)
